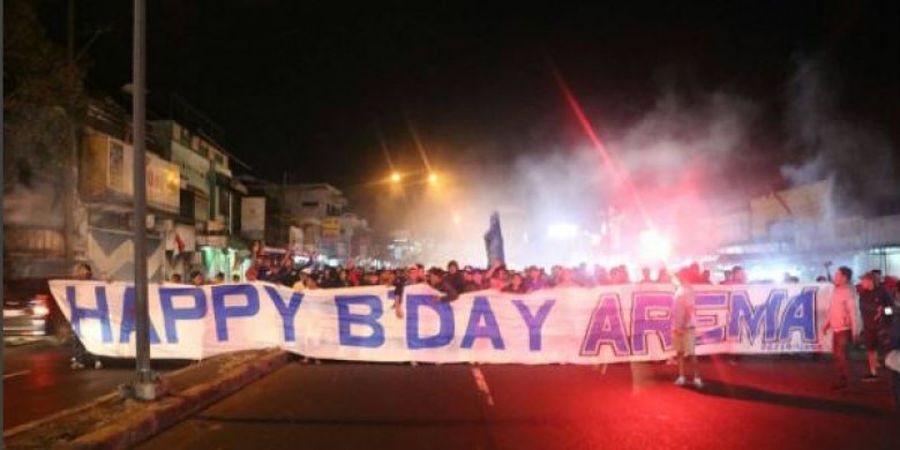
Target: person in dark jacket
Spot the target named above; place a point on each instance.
(437, 280)
(894, 345)
(872, 301)
(455, 277)
(516, 284)
(536, 280)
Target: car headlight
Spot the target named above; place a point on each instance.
(40, 310)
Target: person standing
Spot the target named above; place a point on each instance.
(892, 359)
(683, 327)
(80, 356)
(197, 278)
(872, 301)
(843, 322)
(455, 277)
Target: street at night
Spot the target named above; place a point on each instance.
(756, 403)
(241, 224)
(38, 380)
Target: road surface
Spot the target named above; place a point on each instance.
(758, 403)
(37, 380)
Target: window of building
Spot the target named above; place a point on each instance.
(201, 208)
(310, 204)
(224, 203)
(186, 204)
(116, 166)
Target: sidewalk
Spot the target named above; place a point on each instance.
(113, 421)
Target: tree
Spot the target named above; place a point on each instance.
(44, 102)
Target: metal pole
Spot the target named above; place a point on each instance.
(144, 375)
(69, 173)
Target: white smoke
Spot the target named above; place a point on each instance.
(829, 142)
(701, 138)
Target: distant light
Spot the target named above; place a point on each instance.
(432, 178)
(562, 231)
(456, 219)
(40, 310)
(654, 246)
(395, 177)
(770, 272)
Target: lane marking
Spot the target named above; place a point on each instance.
(16, 374)
(482, 385)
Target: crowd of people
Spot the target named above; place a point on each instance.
(454, 279)
(863, 310)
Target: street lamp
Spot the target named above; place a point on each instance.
(432, 178)
(395, 177)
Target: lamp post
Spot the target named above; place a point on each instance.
(144, 387)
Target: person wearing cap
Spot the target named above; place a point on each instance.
(683, 327)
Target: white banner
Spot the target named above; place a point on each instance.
(568, 325)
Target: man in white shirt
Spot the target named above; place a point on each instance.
(683, 325)
(843, 320)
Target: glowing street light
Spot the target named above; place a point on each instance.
(395, 177)
(432, 178)
(654, 246)
(562, 231)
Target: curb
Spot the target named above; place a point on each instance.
(152, 418)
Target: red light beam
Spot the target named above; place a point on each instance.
(620, 174)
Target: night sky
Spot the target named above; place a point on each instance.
(301, 89)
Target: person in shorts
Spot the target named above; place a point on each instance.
(683, 327)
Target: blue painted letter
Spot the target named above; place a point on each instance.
(101, 313)
(222, 311)
(172, 314)
(534, 322)
(444, 312)
(128, 320)
(743, 312)
(347, 318)
(482, 309)
(800, 315)
(706, 304)
(642, 323)
(605, 328)
(287, 312)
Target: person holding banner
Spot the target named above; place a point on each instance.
(843, 322)
(683, 325)
(80, 356)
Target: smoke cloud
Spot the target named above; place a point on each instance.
(691, 155)
(679, 155)
(829, 143)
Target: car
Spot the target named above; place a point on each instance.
(29, 309)
(26, 317)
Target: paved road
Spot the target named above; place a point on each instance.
(756, 404)
(38, 382)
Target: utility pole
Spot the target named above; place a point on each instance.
(70, 169)
(144, 387)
